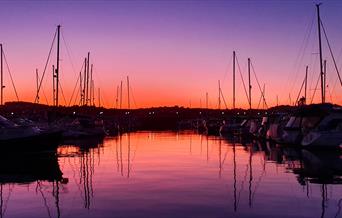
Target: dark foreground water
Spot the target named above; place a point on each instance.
(152, 174)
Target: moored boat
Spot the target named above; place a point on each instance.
(327, 133)
(26, 137)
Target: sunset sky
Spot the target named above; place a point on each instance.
(173, 51)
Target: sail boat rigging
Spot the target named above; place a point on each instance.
(45, 67)
(2, 60)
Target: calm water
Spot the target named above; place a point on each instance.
(165, 174)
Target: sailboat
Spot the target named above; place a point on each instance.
(317, 125)
(327, 132)
(26, 137)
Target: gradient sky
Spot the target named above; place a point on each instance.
(173, 51)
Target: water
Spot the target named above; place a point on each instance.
(166, 174)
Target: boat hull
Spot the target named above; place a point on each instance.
(48, 140)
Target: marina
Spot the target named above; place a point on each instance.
(154, 109)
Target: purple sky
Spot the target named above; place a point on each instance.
(173, 51)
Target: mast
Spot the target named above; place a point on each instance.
(290, 99)
(91, 102)
(81, 91)
(306, 82)
(57, 65)
(84, 80)
(128, 100)
(54, 71)
(206, 100)
(37, 84)
(117, 97)
(87, 85)
(249, 83)
(233, 79)
(93, 85)
(320, 54)
(99, 97)
(219, 97)
(121, 95)
(325, 77)
(2, 73)
(263, 99)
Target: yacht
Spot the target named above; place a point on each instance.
(314, 125)
(327, 132)
(13, 135)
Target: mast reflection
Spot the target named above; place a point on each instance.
(85, 151)
(310, 167)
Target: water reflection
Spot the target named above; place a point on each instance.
(37, 170)
(123, 168)
(81, 158)
(318, 167)
(168, 174)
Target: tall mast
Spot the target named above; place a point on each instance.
(233, 79)
(249, 83)
(57, 65)
(81, 91)
(2, 73)
(87, 85)
(84, 81)
(206, 100)
(306, 82)
(320, 53)
(128, 100)
(91, 102)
